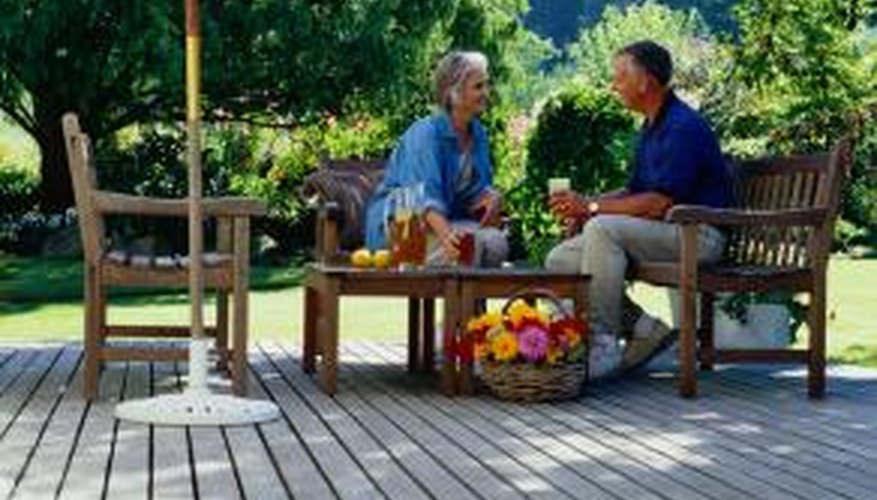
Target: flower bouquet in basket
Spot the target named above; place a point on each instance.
(528, 353)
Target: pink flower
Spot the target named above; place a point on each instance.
(533, 343)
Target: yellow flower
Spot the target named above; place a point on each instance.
(518, 311)
(553, 355)
(504, 346)
(492, 319)
(474, 324)
(543, 317)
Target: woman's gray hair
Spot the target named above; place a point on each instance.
(451, 73)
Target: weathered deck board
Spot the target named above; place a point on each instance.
(20, 438)
(423, 469)
(618, 454)
(735, 444)
(384, 473)
(170, 465)
(295, 462)
(49, 463)
(129, 469)
(387, 434)
(87, 470)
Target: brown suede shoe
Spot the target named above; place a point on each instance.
(651, 337)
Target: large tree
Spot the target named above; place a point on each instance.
(118, 62)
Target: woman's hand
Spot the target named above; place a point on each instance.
(448, 238)
(450, 243)
(488, 208)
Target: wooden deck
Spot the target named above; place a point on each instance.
(390, 435)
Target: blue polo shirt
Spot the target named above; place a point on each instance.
(678, 155)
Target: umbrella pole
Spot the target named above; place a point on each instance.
(196, 405)
(199, 346)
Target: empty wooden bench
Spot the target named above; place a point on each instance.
(226, 270)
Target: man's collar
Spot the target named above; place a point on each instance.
(669, 98)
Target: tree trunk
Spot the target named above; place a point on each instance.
(56, 187)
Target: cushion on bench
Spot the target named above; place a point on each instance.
(349, 184)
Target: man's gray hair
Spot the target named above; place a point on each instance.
(651, 57)
(451, 73)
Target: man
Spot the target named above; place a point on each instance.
(677, 161)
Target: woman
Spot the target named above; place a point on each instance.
(447, 153)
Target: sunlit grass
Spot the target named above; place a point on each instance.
(41, 300)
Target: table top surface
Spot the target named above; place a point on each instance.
(459, 272)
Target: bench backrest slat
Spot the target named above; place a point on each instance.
(811, 181)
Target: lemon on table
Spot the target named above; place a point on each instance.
(361, 258)
(381, 259)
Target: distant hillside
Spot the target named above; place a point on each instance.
(561, 20)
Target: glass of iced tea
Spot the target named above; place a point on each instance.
(466, 248)
(406, 226)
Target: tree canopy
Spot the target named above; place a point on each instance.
(118, 62)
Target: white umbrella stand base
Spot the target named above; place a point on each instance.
(197, 405)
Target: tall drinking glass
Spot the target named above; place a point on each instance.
(406, 226)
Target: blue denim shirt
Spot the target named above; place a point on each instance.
(678, 155)
(428, 153)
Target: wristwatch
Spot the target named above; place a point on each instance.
(593, 208)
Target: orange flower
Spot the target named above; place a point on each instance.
(504, 346)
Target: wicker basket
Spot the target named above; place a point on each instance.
(530, 382)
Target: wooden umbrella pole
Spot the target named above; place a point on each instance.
(193, 155)
(196, 405)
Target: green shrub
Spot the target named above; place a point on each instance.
(238, 159)
(582, 133)
(276, 163)
(19, 190)
(19, 195)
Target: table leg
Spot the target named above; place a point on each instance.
(327, 334)
(414, 359)
(449, 338)
(468, 306)
(428, 339)
(311, 313)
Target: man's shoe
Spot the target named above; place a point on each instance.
(650, 338)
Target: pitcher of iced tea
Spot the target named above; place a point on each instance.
(405, 226)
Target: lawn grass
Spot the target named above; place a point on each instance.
(16, 147)
(41, 300)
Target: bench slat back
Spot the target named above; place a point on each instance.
(811, 181)
(349, 183)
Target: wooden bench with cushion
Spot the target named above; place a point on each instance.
(779, 237)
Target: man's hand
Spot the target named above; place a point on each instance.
(568, 207)
(488, 208)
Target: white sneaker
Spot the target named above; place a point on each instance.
(604, 356)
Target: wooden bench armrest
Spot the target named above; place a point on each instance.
(328, 234)
(693, 214)
(118, 203)
(327, 209)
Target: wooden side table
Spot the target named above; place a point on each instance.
(477, 284)
(325, 285)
